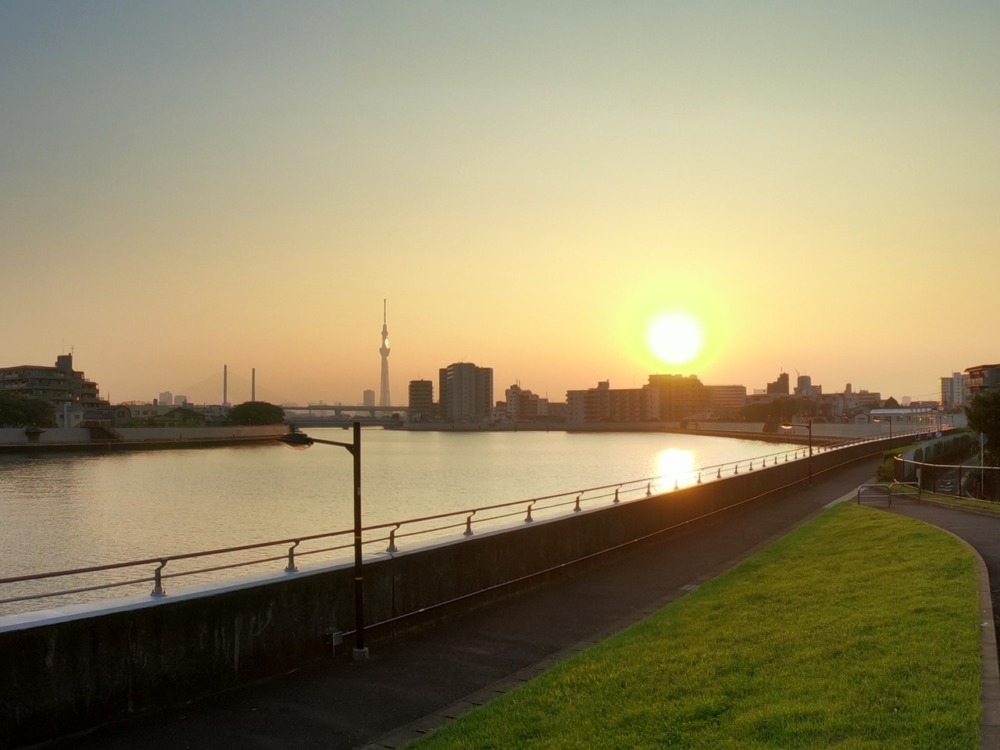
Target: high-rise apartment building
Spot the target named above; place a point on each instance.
(952, 391)
(465, 392)
(421, 399)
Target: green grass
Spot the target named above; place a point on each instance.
(858, 630)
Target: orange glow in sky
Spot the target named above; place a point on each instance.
(186, 186)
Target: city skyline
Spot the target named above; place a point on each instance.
(531, 187)
(226, 380)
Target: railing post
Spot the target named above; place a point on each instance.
(649, 489)
(291, 567)
(616, 495)
(468, 524)
(158, 580)
(699, 476)
(528, 518)
(392, 539)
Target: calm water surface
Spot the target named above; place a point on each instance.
(73, 510)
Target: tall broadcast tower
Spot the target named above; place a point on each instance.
(383, 399)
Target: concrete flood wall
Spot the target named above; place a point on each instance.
(74, 668)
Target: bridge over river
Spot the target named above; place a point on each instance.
(320, 415)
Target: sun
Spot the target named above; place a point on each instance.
(674, 337)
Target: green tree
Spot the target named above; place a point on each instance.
(24, 411)
(890, 403)
(984, 417)
(256, 412)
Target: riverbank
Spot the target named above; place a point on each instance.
(822, 433)
(80, 439)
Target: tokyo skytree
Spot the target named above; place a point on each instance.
(383, 399)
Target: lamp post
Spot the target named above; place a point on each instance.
(889, 420)
(809, 426)
(301, 440)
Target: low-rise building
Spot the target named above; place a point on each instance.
(59, 385)
(979, 378)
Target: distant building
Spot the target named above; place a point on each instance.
(523, 405)
(726, 401)
(780, 386)
(952, 392)
(604, 404)
(680, 397)
(665, 398)
(421, 403)
(465, 392)
(166, 398)
(180, 400)
(979, 378)
(804, 388)
(368, 398)
(59, 385)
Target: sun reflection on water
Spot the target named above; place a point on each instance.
(674, 467)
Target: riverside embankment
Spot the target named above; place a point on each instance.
(82, 439)
(103, 663)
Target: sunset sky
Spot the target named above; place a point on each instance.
(185, 185)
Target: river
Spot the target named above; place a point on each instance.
(62, 511)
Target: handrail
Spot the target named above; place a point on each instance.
(465, 518)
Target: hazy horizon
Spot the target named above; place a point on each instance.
(188, 185)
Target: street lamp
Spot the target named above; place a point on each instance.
(809, 426)
(889, 419)
(301, 440)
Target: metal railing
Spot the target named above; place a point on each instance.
(887, 490)
(379, 539)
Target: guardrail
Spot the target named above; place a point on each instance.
(378, 539)
(887, 490)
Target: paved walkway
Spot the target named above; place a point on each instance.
(422, 680)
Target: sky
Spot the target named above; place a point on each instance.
(188, 185)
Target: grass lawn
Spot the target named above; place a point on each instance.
(858, 630)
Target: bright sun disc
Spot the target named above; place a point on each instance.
(675, 338)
